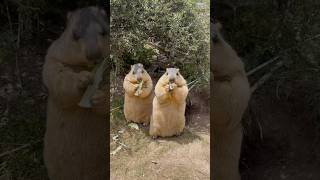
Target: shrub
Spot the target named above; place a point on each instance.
(180, 30)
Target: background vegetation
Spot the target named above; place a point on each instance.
(27, 29)
(159, 34)
(262, 30)
(288, 29)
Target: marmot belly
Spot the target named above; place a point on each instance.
(167, 119)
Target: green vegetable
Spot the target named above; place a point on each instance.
(86, 98)
(139, 89)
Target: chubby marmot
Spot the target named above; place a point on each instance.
(230, 94)
(138, 95)
(75, 139)
(169, 104)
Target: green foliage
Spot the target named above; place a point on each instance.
(260, 30)
(179, 27)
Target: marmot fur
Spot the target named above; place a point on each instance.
(75, 139)
(169, 103)
(230, 94)
(138, 100)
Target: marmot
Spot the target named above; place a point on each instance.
(138, 88)
(75, 140)
(230, 94)
(169, 103)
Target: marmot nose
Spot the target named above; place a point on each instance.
(139, 78)
(171, 80)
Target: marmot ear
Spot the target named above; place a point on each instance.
(103, 12)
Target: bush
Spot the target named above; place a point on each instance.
(261, 30)
(180, 30)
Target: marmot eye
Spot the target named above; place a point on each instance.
(103, 33)
(177, 74)
(167, 74)
(142, 71)
(133, 72)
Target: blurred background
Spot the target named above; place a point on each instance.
(282, 124)
(27, 28)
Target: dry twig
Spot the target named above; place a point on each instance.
(265, 77)
(19, 148)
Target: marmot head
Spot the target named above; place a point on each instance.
(87, 28)
(215, 32)
(224, 58)
(172, 75)
(138, 73)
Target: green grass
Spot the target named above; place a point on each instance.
(117, 118)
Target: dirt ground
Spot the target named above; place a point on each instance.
(280, 142)
(280, 139)
(183, 157)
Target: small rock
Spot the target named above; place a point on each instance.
(121, 131)
(133, 126)
(154, 162)
(115, 138)
(116, 150)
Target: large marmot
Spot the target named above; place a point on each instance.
(75, 143)
(138, 88)
(169, 104)
(230, 95)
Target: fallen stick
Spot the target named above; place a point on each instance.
(18, 149)
(282, 52)
(265, 77)
(193, 85)
(115, 108)
(262, 65)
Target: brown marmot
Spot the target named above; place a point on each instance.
(230, 94)
(169, 103)
(75, 140)
(138, 88)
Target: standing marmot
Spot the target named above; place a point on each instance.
(169, 104)
(230, 96)
(138, 95)
(75, 140)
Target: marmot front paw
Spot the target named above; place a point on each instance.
(99, 98)
(170, 87)
(84, 79)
